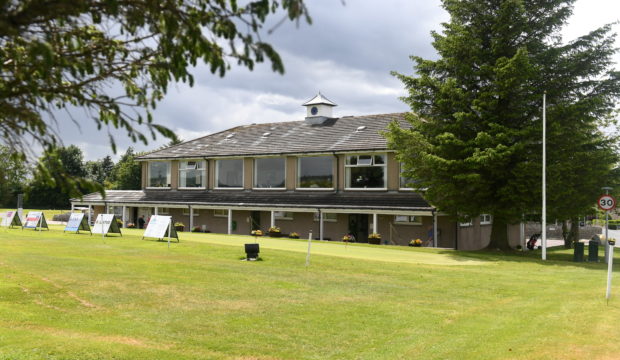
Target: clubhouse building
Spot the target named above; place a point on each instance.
(325, 175)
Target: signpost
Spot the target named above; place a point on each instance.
(34, 220)
(77, 222)
(158, 226)
(607, 203)
(105, 224)
(10, 219)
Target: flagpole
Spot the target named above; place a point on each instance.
(544, 178)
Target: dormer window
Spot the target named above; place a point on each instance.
(159, 174)
(192, 174)
(315, 172)
(269, 173)
(366, 171)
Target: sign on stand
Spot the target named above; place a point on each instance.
(606, 202)
(106, 224)
(11, 219)
(34, 220)
(159, 227)
(77, 222)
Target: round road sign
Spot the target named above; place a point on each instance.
(606, 202)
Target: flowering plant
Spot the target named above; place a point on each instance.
(274, 229)
(293, 235)
(256, 233)
(374, 236)
(347, 238)
(415, 242)
(179, 224)
(131, 225)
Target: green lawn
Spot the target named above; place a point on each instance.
(74, 296)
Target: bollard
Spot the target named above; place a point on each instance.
(593, 251)
(578, 254)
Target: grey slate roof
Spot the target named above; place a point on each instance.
(335, 135)
(268, 199)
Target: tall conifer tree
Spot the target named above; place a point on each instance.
(475, 136)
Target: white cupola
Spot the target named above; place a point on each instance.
(318, 109)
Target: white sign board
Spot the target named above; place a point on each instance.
(34, 220)
(77, 222)
(159, 227)
(105, 224)
(10, 219)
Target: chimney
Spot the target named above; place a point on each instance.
(318, 109)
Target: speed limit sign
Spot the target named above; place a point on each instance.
(606, 202)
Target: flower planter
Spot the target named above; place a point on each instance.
(179, 228)
(374, 241)
(275, 234)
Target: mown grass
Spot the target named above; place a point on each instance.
(74, 296)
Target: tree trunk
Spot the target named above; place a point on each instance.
(499, 235)
(566, 235)
(574, 231)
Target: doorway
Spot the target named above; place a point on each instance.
(255, 220)
(358, 227)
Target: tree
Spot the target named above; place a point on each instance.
(50, 189)
(100, 171)
(475, 135)
(116, 59)
(13, 177)
(127, 173)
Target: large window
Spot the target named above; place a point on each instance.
(269, 173)
(316, 172)
(159, 174)
(229, 173)
(406, 182)
(192, 174)
(365, 171)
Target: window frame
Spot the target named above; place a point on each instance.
(196, 212)
(163, 211)
(483, 220)
(204, 174)
(298, 180)
(284, 215)
(215, 214)
(217, 174)
(417, 220)
(347, 172)
(400, 177)
(169, 175)
(255, 173)
(316, 217)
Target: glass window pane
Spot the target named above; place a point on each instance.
(316, 172)
(352, 160)
(229, 173)
(269, 173)
(379, 159)
(364, 160)
(366, 177)
(159, 174)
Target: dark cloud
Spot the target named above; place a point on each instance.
(347, 54)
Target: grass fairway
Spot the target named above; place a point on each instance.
(73, 296)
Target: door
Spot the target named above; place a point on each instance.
(255, 220)
(358, 227)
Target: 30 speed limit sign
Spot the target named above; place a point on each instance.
(606, 202)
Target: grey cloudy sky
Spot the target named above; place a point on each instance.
(347, 54)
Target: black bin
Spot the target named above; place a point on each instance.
(593, 251)
(252, 250)
(578, 254)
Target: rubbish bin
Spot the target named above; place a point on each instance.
(578, 254)
(593, 251)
